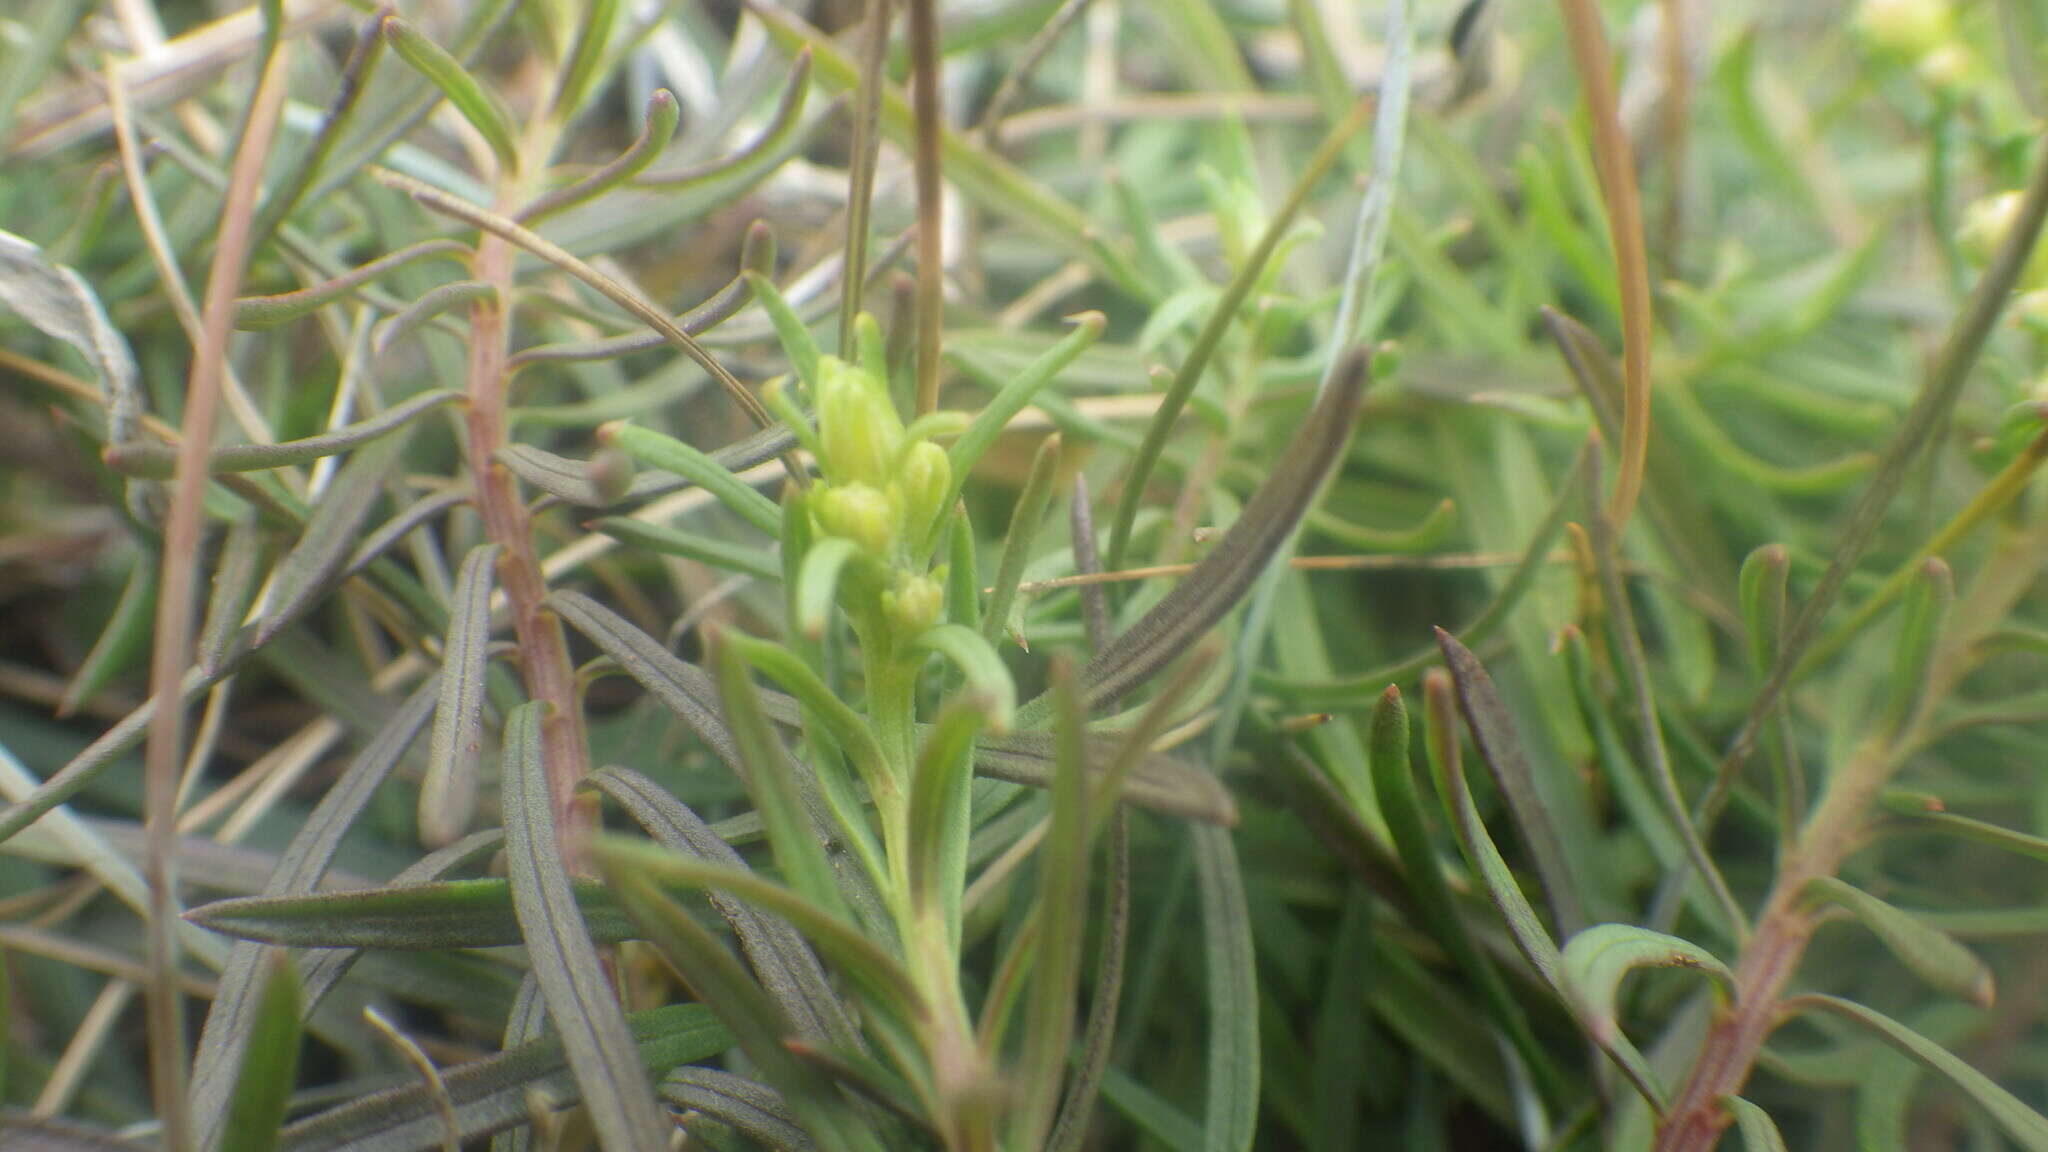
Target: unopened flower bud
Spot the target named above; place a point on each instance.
(926, 474)
(1906, 27)
(858, 428)
(859, 513)
(915, 604)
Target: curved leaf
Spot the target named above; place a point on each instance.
(270, 1064)
(701, 468)
(1759, 1131)
(2027, 1127)
(1930, 953)
(1596, 960)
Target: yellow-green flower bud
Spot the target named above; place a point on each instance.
(1906, 27)
(1985, 226)
(860, 513)
(915, 604)
(926, 474)
(1950, 68)
(858, 429)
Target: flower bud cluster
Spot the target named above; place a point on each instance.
(882, 488)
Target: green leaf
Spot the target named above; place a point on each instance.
(433, 302)
(782, 961)
(795, 338)
(305, 574)
(865, 963)
(711, 550)
(2027, 1127)
(1061, 914)
(232, 1017)
(1596, 960)
(1231, 1115)
(1234, 294)
(753, 1110)
(270, 1063)
(1025, 517)
(582, 67)
(941, 812)
(1205, 595)
(48, 1134)
(1531, 938)
(257, 312)
(1500, 747)
(1928, 600)
(572, 980)
(771, 779)
(1759, 1131)
(994, 416)
(977, 660)
(718, 980)
(491, 1094)
(1927, 951)
(1157, 782)
(1089, 1077)
(658, 451)
(323, 970)
(445, 72)
(406, 917)
(658, 127)
(1394, 784)
(448, 791)
(817, 582)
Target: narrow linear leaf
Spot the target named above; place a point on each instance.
(323, 970)
(48, 1134)
(1230, 1117)
(448, 791)
(1759, 1131)
(1596, 960)
(941, 812)
(863, 961)
(435, 301)
(1531, 938)
(753, 1110)
(710, 550)
(1205, 595)
(1500, 747)
(700, 468)
(994, 416)
(2027, 1127)
(270, 1063)
(305, 573)
(658, 127)
(760, 155)
(781, 959)
(234, 582)
(1927, 951)
(771, 780)
(1394, 786)
(582, 67)
(468, 96)
(790, 331)
(404, 917)
(1242, 281)
(978, 661)
(1098, 1034)
(1025, 518)
(817, 583)
(1156, 782)
(231, 1019)
(255, 312)
(718, 980)
(572, 981)
(1061, 913)
(490, 1095)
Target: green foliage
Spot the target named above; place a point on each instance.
(626, 701)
